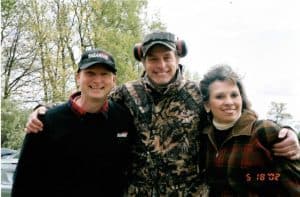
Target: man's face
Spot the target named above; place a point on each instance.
(95, 82)
(161, 64)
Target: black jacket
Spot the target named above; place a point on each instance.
(76, 155)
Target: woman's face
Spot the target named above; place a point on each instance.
(225, 101)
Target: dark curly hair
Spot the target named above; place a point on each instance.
(223, 72)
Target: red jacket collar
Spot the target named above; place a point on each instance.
(81, 112)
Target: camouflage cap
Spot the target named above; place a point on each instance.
(164, 38)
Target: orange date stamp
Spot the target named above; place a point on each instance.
(270, 176)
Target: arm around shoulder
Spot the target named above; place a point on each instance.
(288, 170)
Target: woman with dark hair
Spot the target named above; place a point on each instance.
(239, 160)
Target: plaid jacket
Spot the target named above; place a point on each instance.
(167, 148)
(244, 164)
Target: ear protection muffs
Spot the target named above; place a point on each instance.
(181, 50)
(138, 52)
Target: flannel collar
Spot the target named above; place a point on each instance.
(245, 124)
(242, 127)
(81, 112)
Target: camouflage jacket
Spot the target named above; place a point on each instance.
(166, 152)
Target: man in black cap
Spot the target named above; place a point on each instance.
(85, 144)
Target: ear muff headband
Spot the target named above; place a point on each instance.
(138, 52)
(181, 48)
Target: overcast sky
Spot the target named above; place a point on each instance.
(260, 39)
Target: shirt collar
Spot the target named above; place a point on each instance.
(80, 111)
(173, 84)
(243, 126)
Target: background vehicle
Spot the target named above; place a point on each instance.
(6, 152)
(8, 166)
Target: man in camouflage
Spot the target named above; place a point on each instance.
(166, 113)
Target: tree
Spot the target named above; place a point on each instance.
(42, 41)
(195, 76)
(278, 112)
(12, 129)
(17, 57)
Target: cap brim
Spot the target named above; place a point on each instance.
(100, 63)
(164, 43)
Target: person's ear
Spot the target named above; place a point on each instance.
(206, 107)
(77, 77)
(115, 80)
(177, 59)
(144, 63)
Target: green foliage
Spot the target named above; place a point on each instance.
(47, 38)
(13, 120)
(41, 43)
(116, 27)
(7, 6)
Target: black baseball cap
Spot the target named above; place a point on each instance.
(164, 38)
(97, 56)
